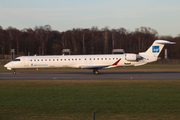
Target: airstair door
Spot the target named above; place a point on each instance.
(26, 61)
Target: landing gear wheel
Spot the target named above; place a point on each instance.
(95, 71)
(14, 72)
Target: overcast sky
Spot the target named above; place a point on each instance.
(62, 15)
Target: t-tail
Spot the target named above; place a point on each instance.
(151, 55)
(156, 48)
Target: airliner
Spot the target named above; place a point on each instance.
(94, 62)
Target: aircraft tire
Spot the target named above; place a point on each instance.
(14, 72)
(96, 72)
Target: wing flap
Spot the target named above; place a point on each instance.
(93, 66)
(99, 66)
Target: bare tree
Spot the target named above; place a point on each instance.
(80, 41)
(43, 34)
(14, 36)
(2, 44)
(106, 36)
(83, 40)
(74, 34)
(114, 37)
(145, 35)
(122, 36)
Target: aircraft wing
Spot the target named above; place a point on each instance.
(94, 66)
(99, 66)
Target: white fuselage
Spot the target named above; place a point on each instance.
(75, 61)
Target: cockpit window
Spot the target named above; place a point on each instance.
(16, 59)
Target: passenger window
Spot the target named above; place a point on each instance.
(49, 59)
(85, 58)
(57, 59)
(72, 59)
(109, 58)
(75, 59)
(61, 59)
(53, 59)
(45, 59)
(113, 58)
(94, 58)
(101, 58)
(34, 59)
(89, 58)
(97, 58)
(38, 60)
(41, 59)
(79, 59)
(69, 59)
(105, 58)
(116, 58)
(30, 60)
(64, 59)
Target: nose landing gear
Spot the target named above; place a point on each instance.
(14, 72)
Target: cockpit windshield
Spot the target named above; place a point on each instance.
(16, 59)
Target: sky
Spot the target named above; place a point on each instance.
(63, 15)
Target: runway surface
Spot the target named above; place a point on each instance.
(90, 75)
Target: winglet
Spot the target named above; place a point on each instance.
(116, 62)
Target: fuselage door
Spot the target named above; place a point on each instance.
(26, 61)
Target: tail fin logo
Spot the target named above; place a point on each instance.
(155, 49)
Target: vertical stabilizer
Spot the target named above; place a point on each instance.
(156, 48)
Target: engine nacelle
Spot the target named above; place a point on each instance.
(132, 57)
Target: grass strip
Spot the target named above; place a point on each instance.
(78, 99)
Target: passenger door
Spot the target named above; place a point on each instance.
(26, 61)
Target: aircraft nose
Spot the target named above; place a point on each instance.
(6, 65)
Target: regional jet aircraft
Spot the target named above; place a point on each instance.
(94, 62)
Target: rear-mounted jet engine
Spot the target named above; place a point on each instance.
(132, 57)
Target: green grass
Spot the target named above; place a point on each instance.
(78, 99)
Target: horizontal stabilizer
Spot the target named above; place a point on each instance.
(165, 42)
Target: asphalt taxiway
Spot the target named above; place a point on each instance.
(89, 76)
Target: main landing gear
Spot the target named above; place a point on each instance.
(95, 71)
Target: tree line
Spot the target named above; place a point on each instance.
(45, 41)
